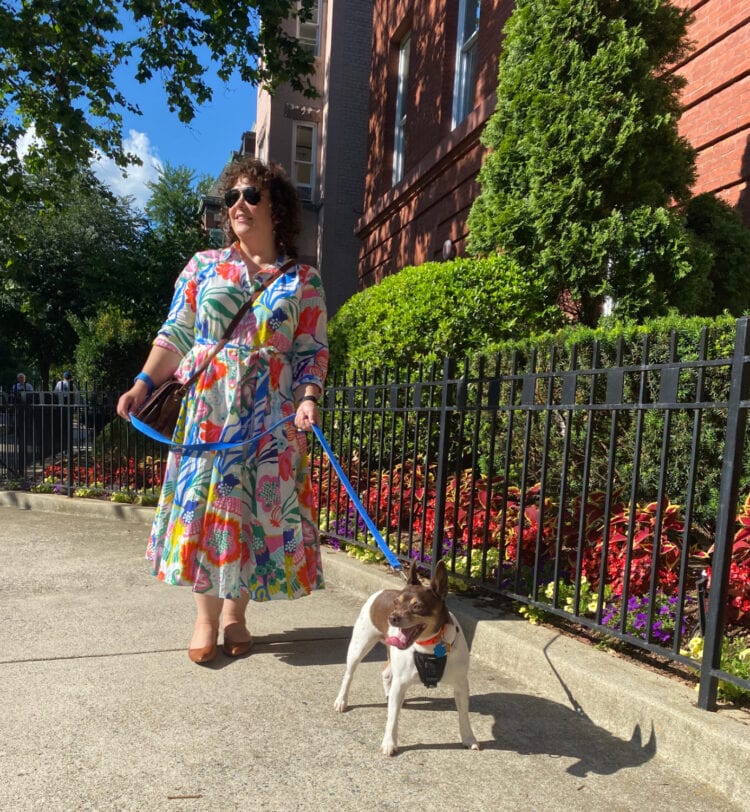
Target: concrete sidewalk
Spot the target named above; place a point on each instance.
(102, 710)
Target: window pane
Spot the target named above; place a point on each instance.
(307, 32)
(466, 60)
(303, 170)
(401, 93)
(304, 137)
(471, 19)
(304, 174)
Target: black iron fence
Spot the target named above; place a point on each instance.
(74, 443)
(607, 485)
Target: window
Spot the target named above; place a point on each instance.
(466, 60)
(401, 91)
(303, 160)
(308, 32)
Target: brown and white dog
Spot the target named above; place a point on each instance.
(424, 642)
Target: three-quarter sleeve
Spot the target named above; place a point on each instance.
(310, 347)
(177, 332)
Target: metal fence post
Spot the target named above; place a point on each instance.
(442, 464)
(68, 417)
(726, 519)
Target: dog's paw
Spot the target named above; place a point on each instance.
(339, 705)
(388, 747)
(471, 744)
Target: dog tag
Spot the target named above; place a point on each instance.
(440, 650)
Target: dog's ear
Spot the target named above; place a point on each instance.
(413, 576)
(439, 582)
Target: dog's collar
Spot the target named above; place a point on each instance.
(432, 640)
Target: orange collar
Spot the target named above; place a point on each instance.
(433, 639)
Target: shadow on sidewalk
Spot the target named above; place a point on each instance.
(531, 725)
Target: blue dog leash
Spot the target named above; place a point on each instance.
(387, 552)
(160, 438)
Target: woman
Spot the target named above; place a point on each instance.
(239, 524)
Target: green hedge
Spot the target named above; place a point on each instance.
(425, 312)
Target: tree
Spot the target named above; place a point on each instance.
(110, 348)
(58, 60)
(174, 205)
(175, 233)
(75, 254)
(585, 158)
(719, 231)
(87, 276)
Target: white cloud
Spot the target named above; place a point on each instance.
(26, 140)
(131, 182)
(125, 183)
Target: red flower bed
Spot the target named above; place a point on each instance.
(121, 474)
(738, 610)
(482, 513)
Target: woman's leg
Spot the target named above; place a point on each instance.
(233, 619)
(208, 610)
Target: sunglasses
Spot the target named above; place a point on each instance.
(250, 195)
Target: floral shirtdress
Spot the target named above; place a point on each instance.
(243, 519)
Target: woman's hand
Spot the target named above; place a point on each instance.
(131, 400)
(159, 367)
(307, 415)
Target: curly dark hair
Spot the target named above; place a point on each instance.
(285, 205)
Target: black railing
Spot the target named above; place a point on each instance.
(64, 443)
(598, 484)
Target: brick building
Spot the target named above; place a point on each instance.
(716, 100)
(432, 88)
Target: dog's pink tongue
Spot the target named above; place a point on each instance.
(396, 637)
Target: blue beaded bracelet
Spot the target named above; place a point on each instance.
(146, 378)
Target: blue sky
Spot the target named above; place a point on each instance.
(158, 136)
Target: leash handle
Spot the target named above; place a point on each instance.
(219, 446)
(387, 552)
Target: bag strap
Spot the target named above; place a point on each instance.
(232, 326)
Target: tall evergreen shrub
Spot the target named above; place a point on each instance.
(585, 156)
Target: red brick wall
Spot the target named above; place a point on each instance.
(407, 224)
(716, 99)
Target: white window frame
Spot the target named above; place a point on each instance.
(306, 191)
(314, 21)
(466, 62)
(402, 87)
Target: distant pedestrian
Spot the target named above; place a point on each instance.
(21, 387)
(64, 386)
